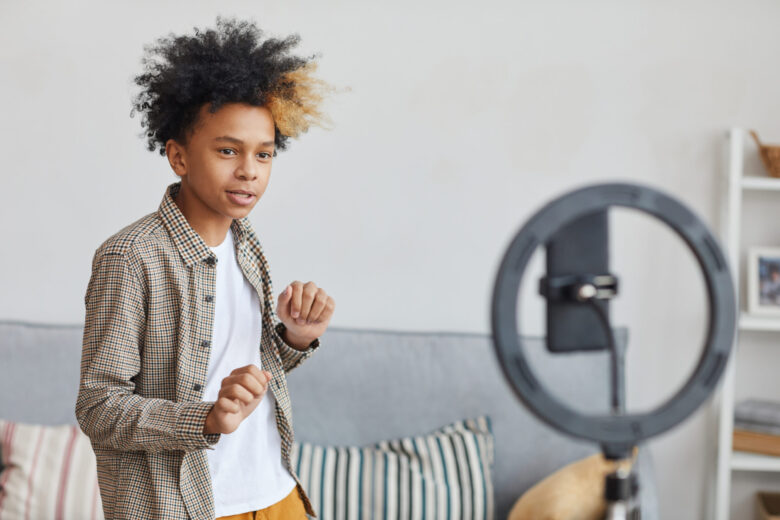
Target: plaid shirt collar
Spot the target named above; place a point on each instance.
(188, 242)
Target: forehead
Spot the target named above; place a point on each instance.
(251, 124)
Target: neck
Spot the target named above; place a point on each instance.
(211, 226)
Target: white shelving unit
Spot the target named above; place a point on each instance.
(736, 183)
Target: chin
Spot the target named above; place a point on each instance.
(238, 213)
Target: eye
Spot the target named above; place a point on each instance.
(227, 150)
(264, 155)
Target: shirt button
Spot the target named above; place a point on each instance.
(209, 298)
(205, 343)
(211, 260)
(197, 387)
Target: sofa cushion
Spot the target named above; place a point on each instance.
(49, 472)
(575, 492)
(444, 474)
(365, 385)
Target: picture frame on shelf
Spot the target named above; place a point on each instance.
(763, 279)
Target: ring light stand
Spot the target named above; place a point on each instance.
(578, 287)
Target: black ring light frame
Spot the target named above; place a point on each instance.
(615, 433)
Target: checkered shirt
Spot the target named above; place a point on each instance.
(147, 337)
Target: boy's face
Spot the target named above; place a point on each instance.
(227, 151)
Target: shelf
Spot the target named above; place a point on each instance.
(760, 183)
(736, 193)
(759, 323)
(743, 461)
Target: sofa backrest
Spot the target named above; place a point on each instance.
(369, 385)
(39, 372)
(361, 387)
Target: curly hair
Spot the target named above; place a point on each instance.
(228, 64)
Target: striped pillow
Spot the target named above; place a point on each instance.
(443, 475)
(48, 472)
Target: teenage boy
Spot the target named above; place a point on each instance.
(182, 388)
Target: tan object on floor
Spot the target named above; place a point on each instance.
(764, 443)
(574, 492)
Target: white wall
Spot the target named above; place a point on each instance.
(463, 118)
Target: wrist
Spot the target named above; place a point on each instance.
(294, 341)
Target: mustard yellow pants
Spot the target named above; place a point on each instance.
(289, 508)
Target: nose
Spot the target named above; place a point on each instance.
(248, 169)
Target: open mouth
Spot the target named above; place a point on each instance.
(240, 198)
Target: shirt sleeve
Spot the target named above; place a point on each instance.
(107, 409)
(292, 357)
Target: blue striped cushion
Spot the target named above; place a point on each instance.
(443, 475)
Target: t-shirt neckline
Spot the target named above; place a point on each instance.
(222, 246)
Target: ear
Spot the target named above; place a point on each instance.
(177, 157)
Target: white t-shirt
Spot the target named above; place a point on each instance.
(247, 472)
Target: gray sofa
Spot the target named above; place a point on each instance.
(363, 386)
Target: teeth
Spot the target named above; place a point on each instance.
(247, 195)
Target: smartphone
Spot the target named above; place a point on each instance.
(581, 248)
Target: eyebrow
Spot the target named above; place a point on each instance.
(239, 141)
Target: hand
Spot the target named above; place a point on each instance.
(239, 395)
(305, 310)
